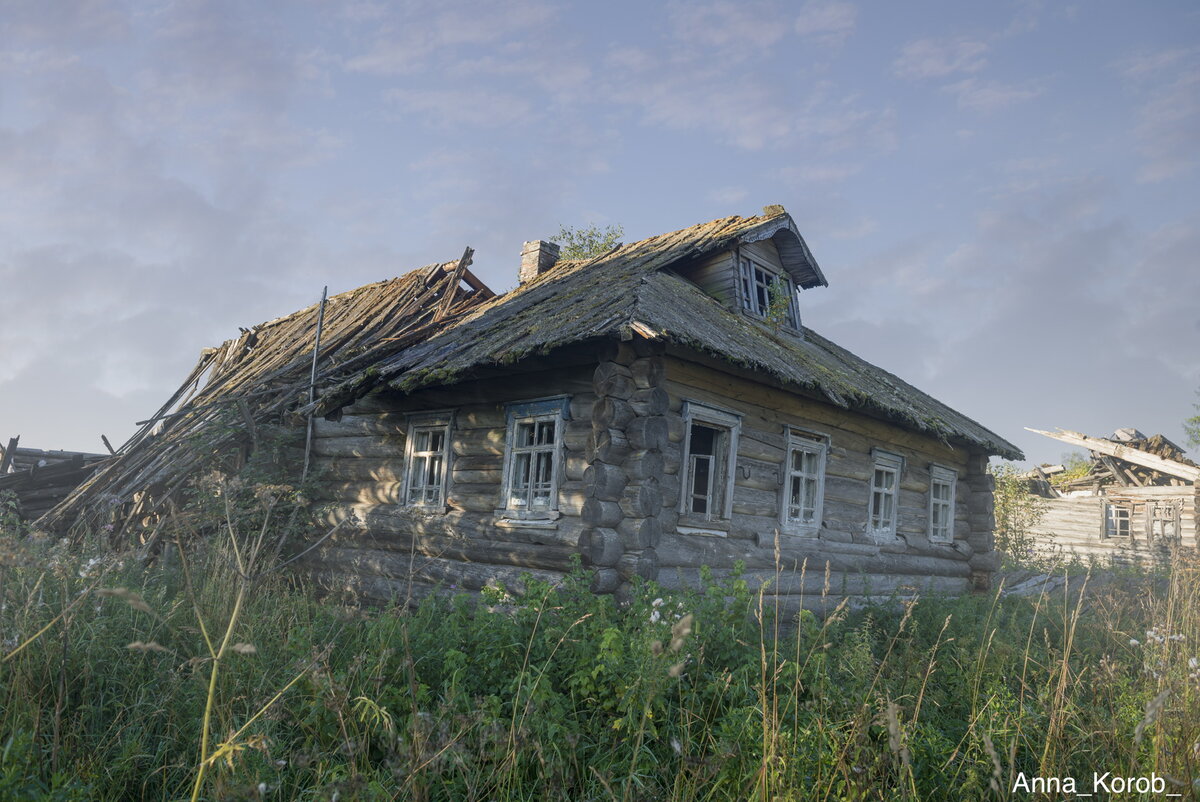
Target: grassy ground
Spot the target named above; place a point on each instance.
(559, 695)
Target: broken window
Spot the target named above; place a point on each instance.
(1164, 521)
(709, 458)
(427, 456)
(759, 284)
(804, 483)
(534, 444)
(941, 504)
(885, 491)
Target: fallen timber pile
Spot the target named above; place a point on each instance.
(241, 389)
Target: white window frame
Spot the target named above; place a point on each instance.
(729, 424)
(433, 421)
(890, 462)
(811, 443)
(555, 409)
(1114, 514)
(748, 282)
(948, 477)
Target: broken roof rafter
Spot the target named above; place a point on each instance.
(265, 374)
(1127, 453)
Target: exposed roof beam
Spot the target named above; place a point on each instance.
(1136, 456)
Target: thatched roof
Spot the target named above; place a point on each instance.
(632, 289)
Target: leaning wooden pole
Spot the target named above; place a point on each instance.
(312, 384)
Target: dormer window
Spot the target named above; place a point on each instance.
(765, 290)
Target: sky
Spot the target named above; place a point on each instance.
(1004, 196)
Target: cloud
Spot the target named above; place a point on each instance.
(734, 28)
(1168, 118)
(827, 21)
(477, 107)
(822, 173)
(932, 58)
(990, 96)
(727, 196)
(402, 41)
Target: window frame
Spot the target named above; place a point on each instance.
(884, 461)
(434, 420)
(940, 474)
(1110, 522)
(747, 283)
(812, 443)
(729, 423)
(1174, 518)
(552, 408)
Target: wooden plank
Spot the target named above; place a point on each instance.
(1137, 457)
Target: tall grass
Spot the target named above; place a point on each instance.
(558, 694)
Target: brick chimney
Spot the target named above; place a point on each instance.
(536, 258)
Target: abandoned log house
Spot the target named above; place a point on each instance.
(648, 411)
(1135, 503)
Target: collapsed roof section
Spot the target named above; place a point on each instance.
(259, 377)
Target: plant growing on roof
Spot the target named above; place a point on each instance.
(587, 242)
(779, 302)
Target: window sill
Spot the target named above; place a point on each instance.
(699, 526)
(511, 519)
(427, 509)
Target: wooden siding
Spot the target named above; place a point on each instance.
(1074, 526)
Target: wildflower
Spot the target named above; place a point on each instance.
(656, 603)
(655, 617)
(1193, 662)
(1134, 642)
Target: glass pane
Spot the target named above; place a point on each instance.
(421, 440)
(545, 432)
(437, 440)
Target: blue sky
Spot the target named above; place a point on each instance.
(1003, 196)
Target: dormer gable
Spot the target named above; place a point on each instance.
(761, 273)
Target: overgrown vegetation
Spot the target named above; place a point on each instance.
(586, 242)
(1017, 514)
(109, 681)
(1191, 426)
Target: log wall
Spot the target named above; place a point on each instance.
(386, 550)
(620, 486)
(843, 544)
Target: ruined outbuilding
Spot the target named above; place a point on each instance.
(39, 478)
(646, 412)
(1134, 504)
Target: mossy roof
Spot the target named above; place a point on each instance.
(631, 288)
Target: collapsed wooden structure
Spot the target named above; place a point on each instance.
(245, 391)
(1135, 504)
(39, 479)
(647, 412)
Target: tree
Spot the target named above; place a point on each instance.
(1191, 426)
(587, 242)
